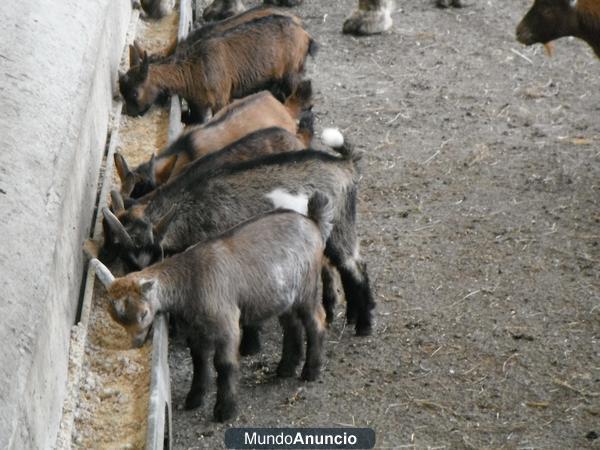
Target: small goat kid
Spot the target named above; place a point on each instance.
(268, 266)
(240, 118)
(208, 30)
(194, 207)
(262, 53)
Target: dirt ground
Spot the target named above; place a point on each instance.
(479, 219)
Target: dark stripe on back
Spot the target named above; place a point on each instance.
(189, 181)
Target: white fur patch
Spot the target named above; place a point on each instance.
(332, 137)
(283, 199)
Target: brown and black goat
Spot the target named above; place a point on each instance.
(268, 266)
(213, 29)
(232, 123)
(268, 52)
(548, 20)
(222, 9)
(195, 207)
(256, 144)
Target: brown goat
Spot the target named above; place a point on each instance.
(216, 28)
(233, 122)
(268, 51)
(548, 20)
(263, 142)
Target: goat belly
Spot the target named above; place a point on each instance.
(258, 309)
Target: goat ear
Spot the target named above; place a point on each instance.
(117, 228)
(138, 48)
(152, 168)
(163, 174)
(160, 229)
(128, 185)
(134, 56)
(145, 64)
(117, 201)
(146, 286)
(122, 167)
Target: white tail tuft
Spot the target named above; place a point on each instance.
(332, 137)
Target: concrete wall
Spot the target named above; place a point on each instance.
(58, 61)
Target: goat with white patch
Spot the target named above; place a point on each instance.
(195, 206)
(268, 266)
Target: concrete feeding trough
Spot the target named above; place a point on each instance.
(119, 396)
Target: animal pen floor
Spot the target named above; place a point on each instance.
(479, 219)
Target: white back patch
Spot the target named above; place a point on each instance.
(283, 199)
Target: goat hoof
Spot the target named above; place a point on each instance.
(350, 318)
(310, 373)
(285, 371)
(448, 3)
(193, 401)
(364, 329)
(362, 23)
(224, 410)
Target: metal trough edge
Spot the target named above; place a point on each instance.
(159, 435)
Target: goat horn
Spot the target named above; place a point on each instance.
(117, 201)
(102, 273)
(122, 167)
(117, 227)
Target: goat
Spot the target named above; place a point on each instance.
(222, 9)
(157, 9)
(259, 143)
(371, 17)
(267, 51)
(233, 122)
(548, 20)
(213, 29)
(195, 207)
(268, 266)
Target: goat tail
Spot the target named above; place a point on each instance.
(313, 47)
(306, 127)
(301, 98)
(320, 210)
(332, 137)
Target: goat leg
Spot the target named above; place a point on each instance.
(291, 352)
(250, 344)
(200, 354)
(314, 324)
(227, 367)
(329, 292)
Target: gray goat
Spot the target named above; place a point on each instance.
(195, 207)
(268, 266)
